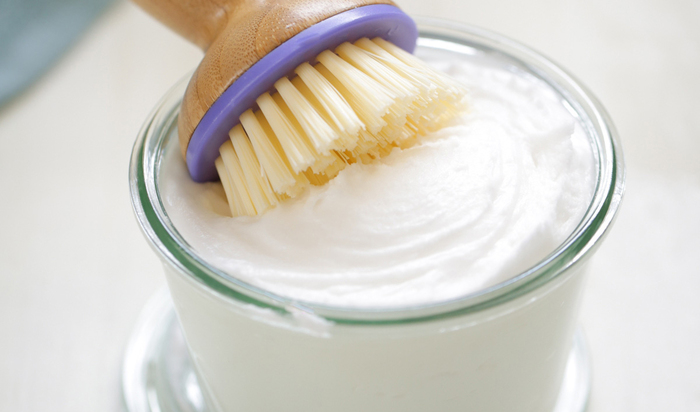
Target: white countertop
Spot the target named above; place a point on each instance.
(75, 271)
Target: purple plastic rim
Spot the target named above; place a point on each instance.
(377, 20)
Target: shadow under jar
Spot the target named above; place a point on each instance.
(502, 349)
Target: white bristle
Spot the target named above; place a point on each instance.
(338, 109)
(445, 86)
(320, 161)
(237, 180)
(297, 147)
(300, 182)
(436, 89)
(259, 190)
(316, 179)
(319, 132)
(354, 106)
(402, 92)
(411, 73)
(233, 203)
(273, 164)
(344, 139)
(334, 168)
(366, 97)
(400, 87)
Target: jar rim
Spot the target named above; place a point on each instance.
(607, 196)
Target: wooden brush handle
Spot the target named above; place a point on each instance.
(235, 34)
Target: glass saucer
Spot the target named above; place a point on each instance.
(157, 374)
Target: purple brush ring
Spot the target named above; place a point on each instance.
(379, 20)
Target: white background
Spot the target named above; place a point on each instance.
(75, 270)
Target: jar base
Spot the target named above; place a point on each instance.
(157, 373)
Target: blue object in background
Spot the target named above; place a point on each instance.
(35, 33)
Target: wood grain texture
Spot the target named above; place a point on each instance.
(235, 34)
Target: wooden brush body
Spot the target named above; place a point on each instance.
(235, 34)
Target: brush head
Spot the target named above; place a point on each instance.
(379, 20)
(356, 105)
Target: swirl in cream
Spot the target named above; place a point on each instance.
(472, 205)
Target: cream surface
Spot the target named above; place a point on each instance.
(473, 205)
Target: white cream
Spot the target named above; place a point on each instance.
(472, 206)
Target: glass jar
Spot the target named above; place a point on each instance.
(503, 349)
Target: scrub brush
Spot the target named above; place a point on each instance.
(290, 92)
